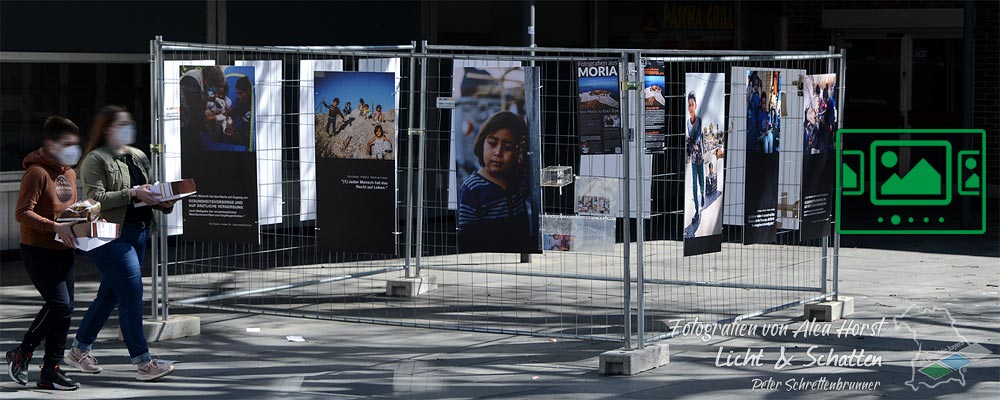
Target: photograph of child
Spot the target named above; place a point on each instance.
(223, 119)
(496, 153)
(495, 211)
(705, 158)
(348, 133)
(820, 104)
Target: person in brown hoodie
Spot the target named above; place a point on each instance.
(48, 187)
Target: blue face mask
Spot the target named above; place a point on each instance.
(211, 91)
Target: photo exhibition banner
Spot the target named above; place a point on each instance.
(355, 140)
(218, 145)
(762, 94)
(599, 121)
(790, 158)
(704, 170)
(497, 144)
(655, 104)
(820, 125)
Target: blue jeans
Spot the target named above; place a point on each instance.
(698, 185)
(121, 285)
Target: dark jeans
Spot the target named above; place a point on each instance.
(51, 271)
(121, 285)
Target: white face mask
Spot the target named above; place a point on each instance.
(69, 155)
(122, 136)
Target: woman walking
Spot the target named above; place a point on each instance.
(48, 187)
(117, 175)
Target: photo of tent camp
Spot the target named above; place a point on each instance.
(355, 115)
(217, 106)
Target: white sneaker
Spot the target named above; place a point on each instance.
(82, 361)
(153, 369)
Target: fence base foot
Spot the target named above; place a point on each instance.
(634, 361)
(176, 327)
(409, 287)
(828, 311)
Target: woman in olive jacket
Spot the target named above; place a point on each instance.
(117, 175)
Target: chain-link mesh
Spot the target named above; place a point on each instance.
(579, 294)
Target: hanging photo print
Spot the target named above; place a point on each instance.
(218, 146)
(355, 161)
(704, 172)
(762, 94)
(820, 126)
(496, 150)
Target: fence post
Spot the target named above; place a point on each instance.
(637, 86)
(154, 60)
(840, 124)
(626, 211)
(408, 236)
(162, 231)
(421, 173)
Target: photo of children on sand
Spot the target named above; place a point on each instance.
(355, 115)
(217, 106)
(704, 162)
(355, 133)
(496, 151)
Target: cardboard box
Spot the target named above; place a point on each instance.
(168, 191)
(91, 235)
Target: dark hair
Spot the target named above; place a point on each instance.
(378, 107)
(378, 128)
(223, 88)
(56, 127)
(98, 130)
(212, 76)
(335, 100)
(501, 120)
(691, 96)
(243, 84)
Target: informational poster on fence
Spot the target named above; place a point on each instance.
(655, 106)
(704, 169)
(597, 196)
(594, 235)
(497, 148)
(599, 118)
(762, 96)
(819, 127)
(355, 161)
(218, 145)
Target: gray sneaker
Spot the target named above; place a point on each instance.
(153, 369)
(82, 361)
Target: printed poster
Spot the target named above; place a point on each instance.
(218, 146)
(497, 144)
(704, 169)
(355, 138)
(819, 126)
(763, 100)
(599, 118)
